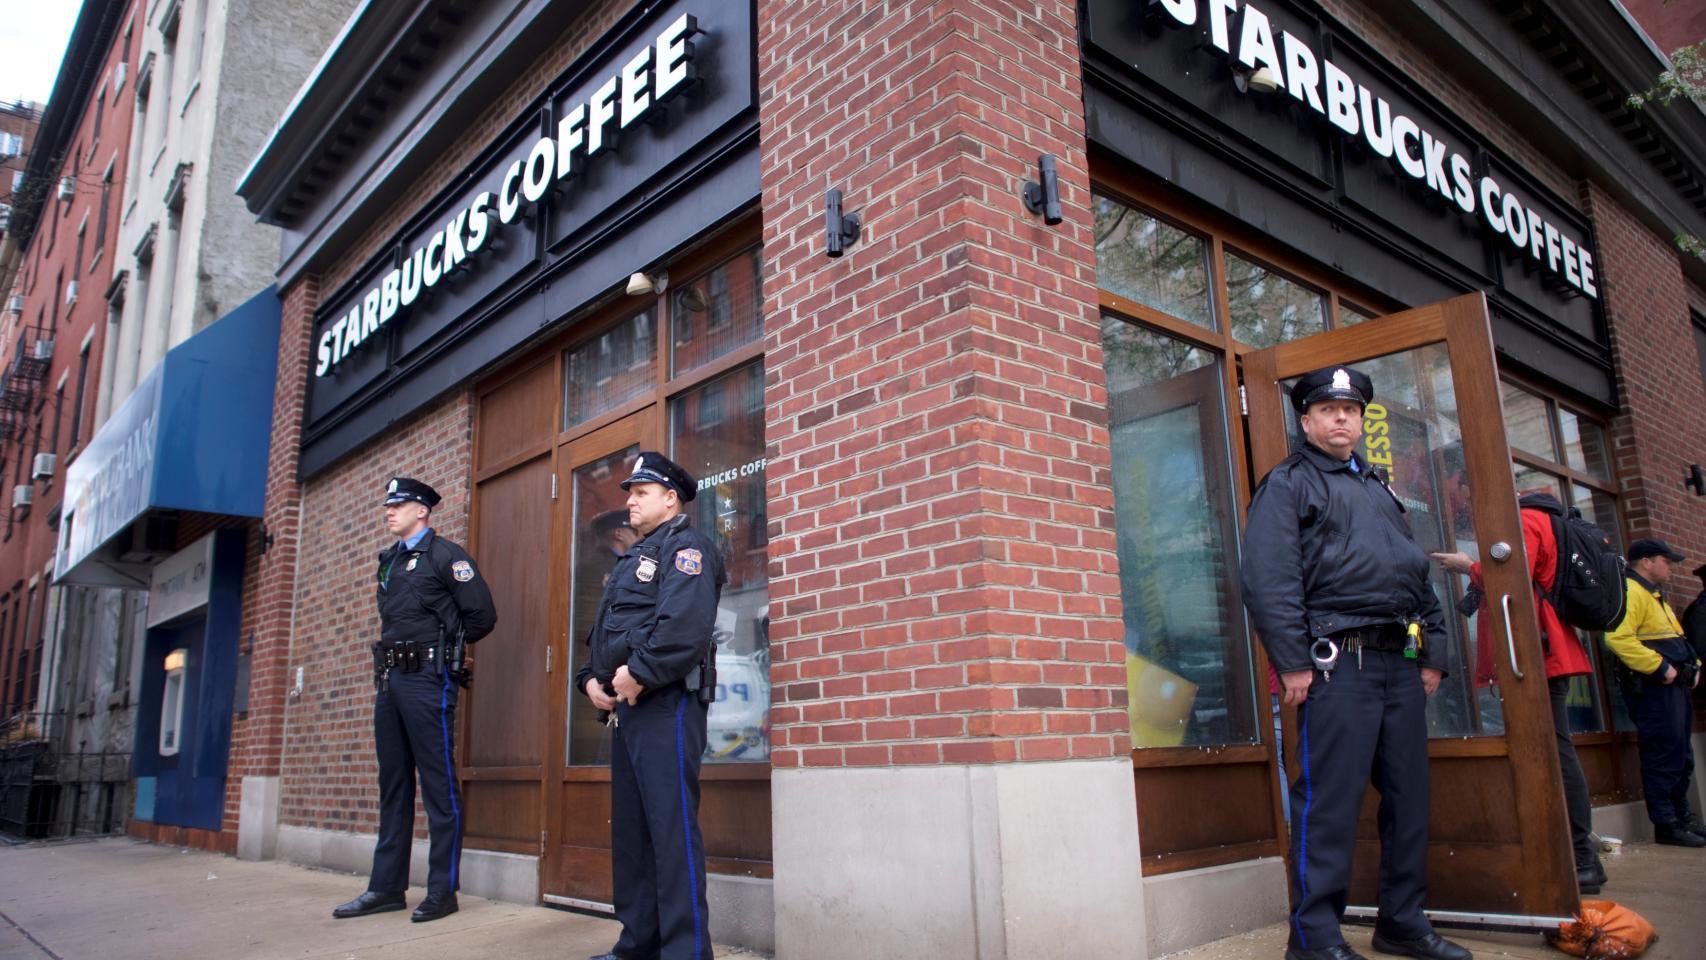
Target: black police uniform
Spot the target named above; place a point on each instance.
(1332, 557)
(428, 595)
(656, 616)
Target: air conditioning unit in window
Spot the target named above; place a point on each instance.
(67, 187)
(42, 469)
(23, 495)
(119, 73)
(70, 292)
(42, 350)
(15, 303)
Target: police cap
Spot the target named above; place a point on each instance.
(404, 489)
(1332, 383)
(653, 467)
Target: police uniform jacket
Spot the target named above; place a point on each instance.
(659, 607)
(1329, 549)
(429, 591)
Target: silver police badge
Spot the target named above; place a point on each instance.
(647, 570)
(411, 564)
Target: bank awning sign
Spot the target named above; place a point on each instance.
(193, 436)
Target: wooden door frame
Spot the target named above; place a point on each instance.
(1546, 882)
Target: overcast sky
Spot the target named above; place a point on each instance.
(33, 34)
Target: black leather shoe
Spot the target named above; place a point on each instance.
(1338, 951)
(612, 955)
(1431, 947)
(1677, 836)
(434, 906)
(369, 902)
(1693, 824)
(1590, 876)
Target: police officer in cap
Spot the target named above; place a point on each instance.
(432, 601)
(1339, 592)
(651, 667)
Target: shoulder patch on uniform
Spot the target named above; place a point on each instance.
(690, 562)
(462, 570)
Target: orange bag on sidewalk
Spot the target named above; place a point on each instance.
(1604, 931)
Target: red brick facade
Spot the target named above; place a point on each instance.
(942, 581)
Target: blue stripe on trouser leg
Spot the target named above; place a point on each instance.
(1301, 858)
(450, 781)
(687, 831)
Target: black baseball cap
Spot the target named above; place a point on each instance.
(404, 489)
(1653, 547)
(653, 467)
(610, 520)
(1332, 383)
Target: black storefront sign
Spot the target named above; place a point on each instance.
(1346, 160)
(606, 172)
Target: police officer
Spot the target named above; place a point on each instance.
(431, 601)
(1339, 592)
(651, 667)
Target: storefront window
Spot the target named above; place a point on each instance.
(612, 369)
(1350, 316)
(1267, 308)
(602, 536)
(1188, 671)
(716, 313)
(717, 434)
(1153, 263)
(1585, 445)
(1527, 425)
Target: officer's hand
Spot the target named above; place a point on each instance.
(1455, 562)
(627, 688)
(1670, 674)
(1431, 676)
(1296, 685)
(599, 698)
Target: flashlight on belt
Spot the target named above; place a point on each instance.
(1412, 639)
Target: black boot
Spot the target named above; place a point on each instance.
(1677, 835)
(435, 905)
(1590, 874)
(369, 902)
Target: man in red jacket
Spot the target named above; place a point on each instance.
(1565, 658)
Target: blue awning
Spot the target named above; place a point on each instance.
(193, 436)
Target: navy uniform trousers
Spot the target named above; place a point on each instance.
(1363, 722)
(659, 855)
(1662, 713)
(414, 730)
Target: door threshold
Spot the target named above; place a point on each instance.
(577, 904)
(1464, 920)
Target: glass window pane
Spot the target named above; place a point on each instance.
(717, 313)
(1350, 316)
(1582, 703)
(1598, 508)
(1530, 480)
(602, 535)
(1188, 673)
(613, 368)
(730, 507)
(1413, 432)
(1267, 308)
(1156, 264)
(1586, 447)
(1528, 424)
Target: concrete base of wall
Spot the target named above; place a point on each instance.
(1626, 821)
(485, 873)
(743, 911)
(257, 819)
(1018, 861)
(1195, 906)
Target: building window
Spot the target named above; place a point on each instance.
(730, 507)
(11, 145)
(1267, 308)
(1152, 263)
(82, 386)
(716, 313)
(611, 370)
(105, 210)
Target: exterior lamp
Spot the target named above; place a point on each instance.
(641, 283)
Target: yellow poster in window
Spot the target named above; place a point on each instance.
(1159, 702)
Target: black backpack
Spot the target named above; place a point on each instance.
(1588, 589)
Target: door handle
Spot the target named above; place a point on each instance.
(1510, 638)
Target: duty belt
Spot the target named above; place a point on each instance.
(406, 657)
(1389, 637)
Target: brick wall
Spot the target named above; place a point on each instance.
(330, 774)
(528, 84)
(1659, 431)
(942, 569)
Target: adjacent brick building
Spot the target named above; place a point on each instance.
(980, 465)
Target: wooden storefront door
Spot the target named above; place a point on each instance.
(1499, 839)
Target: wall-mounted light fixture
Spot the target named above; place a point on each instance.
(1043, 194)
(641, 283)
(1695, 480)
(841, 229)
(1261, 80)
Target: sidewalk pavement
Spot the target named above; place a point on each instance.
(123, 899)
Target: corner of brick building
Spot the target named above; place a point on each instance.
(1659, 380)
